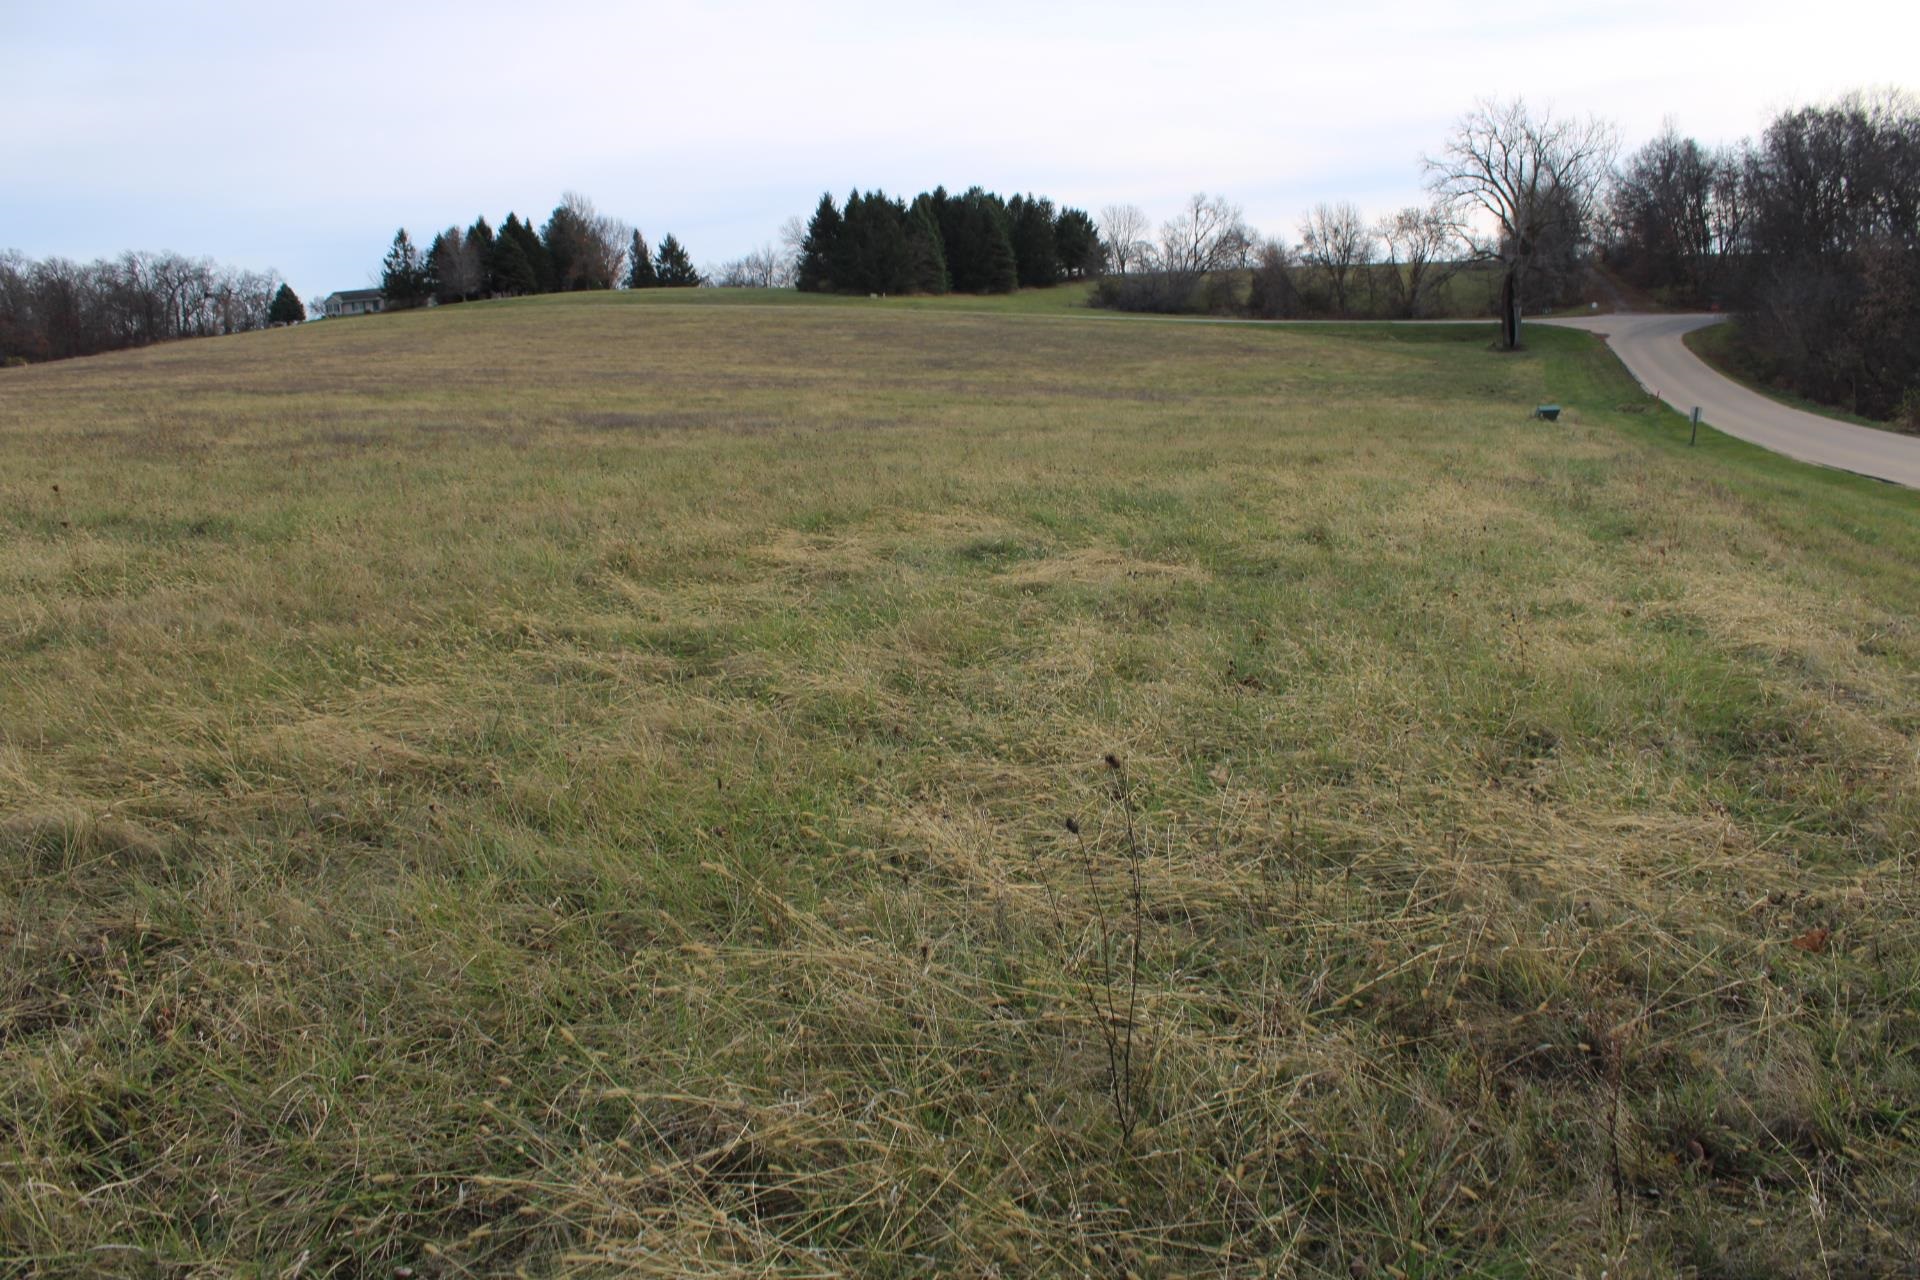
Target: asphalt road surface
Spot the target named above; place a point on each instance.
(1650, 347)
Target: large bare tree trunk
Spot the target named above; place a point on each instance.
(1509, 312)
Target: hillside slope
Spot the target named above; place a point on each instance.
(679, 789)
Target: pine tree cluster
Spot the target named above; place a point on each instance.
(975, 242)
(576, 249)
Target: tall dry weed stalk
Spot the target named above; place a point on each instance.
(1109, 986)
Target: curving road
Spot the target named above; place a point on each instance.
(1650, 347)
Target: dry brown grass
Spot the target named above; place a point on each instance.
(582, 789)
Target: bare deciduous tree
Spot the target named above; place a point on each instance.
(1336, 240)
(1730, 209)
(793, 244)
(455, 262)
(763, 268)
(1205, 238)
(1521, 186)
(55, 308)
(1830, 300)
(1206, 235)
(589, 245)
(1663, 215)
(1123, 232)
(1272, 293)
(1423, 253)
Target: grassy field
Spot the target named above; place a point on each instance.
(648, 787)
(1063, 299)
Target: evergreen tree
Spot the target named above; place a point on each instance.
(951, 219)
(872, 253)
(1077, 241)
(480, 241)
(538, 257)
(926, 255)
(817, 250)
(402, 276)
(534, 251)
(510, 230)
(508, 267)
(430, 264)
(640, 273)
(1000, 267)
(979, 244)
(844, 264)
(563, 237)
(286, 307)
(480, 244)
(1035, 253)
(946, 216)
(956, 241)
(970, 243)
(673, 266)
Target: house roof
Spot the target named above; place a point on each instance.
(356, 295)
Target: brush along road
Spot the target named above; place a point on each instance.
(1651, 347)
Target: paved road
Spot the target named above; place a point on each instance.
(1650, 347)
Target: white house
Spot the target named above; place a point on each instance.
(355, 302)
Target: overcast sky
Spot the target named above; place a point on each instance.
(299, 137)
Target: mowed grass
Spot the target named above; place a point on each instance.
(583, 789)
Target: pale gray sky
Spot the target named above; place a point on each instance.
(298, 137)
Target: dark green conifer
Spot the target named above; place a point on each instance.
(1077, 242)
(640, 272)
(480, 240)
(873, 255)
(564, 237)
(1030, 225)
(286, 307)
(534, 251)
(507, 266)
(997, 264)
(818, 249)
(673, 266)
(926, 255)
(403, 277)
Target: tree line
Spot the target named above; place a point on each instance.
(1340, 265)
(1512, 196)
(1810, 234)
(53, 308)
(577, 248)
(974, 242)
